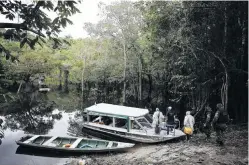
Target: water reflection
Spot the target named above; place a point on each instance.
(8, 150)
(36, 120)
(75, 124)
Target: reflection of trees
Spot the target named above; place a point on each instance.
(35, 118)
(75, 124)
(28, 110)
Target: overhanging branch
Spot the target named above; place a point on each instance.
(20, 26)
(12, 25)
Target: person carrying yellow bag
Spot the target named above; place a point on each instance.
(189, 122)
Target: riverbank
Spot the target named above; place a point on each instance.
(197, 151)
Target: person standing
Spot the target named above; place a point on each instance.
(170, 118)
(207, 122)
(220, 120)
(157, 120)
(189, 122)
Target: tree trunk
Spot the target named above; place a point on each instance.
(224, 88)
(82, 82)
(225, 31)
(150, 88)
(66, 74)
(241, 78)
(139, 80)
(124, 74)
(60, 79)
(105, 87)
(225, 83)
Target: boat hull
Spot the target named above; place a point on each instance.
(120, 147)
(122, 137)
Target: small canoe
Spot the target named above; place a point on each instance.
(44, 89)
(72, 144)
(1, 133)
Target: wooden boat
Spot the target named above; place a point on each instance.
(71, 144)
(44, 89)
(1, 133)
(136, 128)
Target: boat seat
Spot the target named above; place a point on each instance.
(110, 145)
(74, 145)
(31, 139)
(49, 141)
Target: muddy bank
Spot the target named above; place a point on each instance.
(197, 151)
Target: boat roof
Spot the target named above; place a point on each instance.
(117, 110)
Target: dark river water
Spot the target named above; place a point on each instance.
(15, 127)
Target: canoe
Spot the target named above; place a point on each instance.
(72, 144)
(1, 133)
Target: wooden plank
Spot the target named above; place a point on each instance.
(31, 139)
(110, 145)
(76, 143)
(49, 141)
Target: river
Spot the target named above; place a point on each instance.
(11, 154)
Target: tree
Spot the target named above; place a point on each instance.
(121, 22)
(35, 20)
(196, 40)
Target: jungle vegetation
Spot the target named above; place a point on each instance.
(144, 54)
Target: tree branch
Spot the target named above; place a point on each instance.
(20, 26)
(12, 25)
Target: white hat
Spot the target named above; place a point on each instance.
(157, 109)
(169, 108)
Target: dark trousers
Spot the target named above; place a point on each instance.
(220, 129)
(188, 137)
(170, 127)
(207, 131)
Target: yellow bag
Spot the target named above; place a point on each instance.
(188, 130)
(67, 145)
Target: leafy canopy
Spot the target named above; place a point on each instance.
(34, 19)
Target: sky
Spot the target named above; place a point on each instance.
(89, 13)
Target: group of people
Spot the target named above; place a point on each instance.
(212, 120)
(219, 122)
(159, 120)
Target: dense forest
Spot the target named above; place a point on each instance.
(145, 54)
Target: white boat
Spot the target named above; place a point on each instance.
(71, 144)
(125, 124)
(44, 89)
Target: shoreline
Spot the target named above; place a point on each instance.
(197, 151)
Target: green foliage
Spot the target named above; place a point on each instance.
(35, 20)
(167, 53)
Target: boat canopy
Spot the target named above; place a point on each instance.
(116, 110)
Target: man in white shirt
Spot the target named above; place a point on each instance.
(189, 121)
(157, 118)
